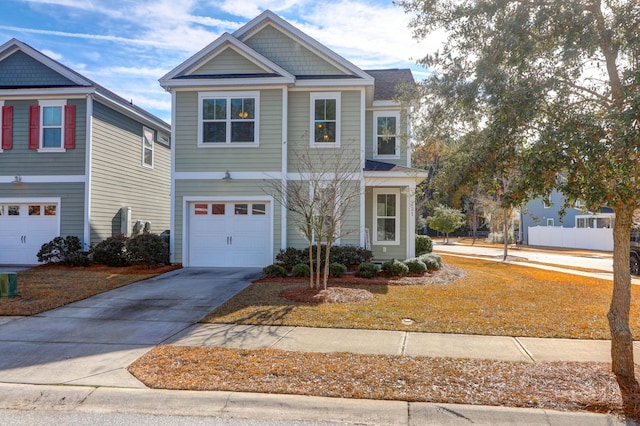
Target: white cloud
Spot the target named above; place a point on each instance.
(52, 55)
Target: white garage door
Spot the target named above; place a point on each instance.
(24, 227)
(229, 234)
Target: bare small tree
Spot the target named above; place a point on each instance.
(320, 194)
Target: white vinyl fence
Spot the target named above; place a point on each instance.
(584, 238)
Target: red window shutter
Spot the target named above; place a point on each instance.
(7, 127)
(34, 127)
(69, 126)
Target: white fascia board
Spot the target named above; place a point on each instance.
(194, 83)
(385, 104)
(336, 82)
(132, 113)
(45, 179)
(214, 49)
(268, 17)
(322, 176)
(391, 179)
(43, 93)
(14, 45)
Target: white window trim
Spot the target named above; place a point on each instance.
(144, 147)
(228, 95)
(384, 191)
(312, 122)
(377, 114)
(550, 222)
(45, 103)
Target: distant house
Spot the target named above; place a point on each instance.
(75, 158)
(542, 224)
(242, 106)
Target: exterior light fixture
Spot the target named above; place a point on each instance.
(227, 175)
(17, 179)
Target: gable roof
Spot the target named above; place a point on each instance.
(387, 82)
(274, 73)
(69, 80)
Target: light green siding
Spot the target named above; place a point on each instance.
(233, 189)
(289, 54)
(119, 179)
(370, 142)
(392, 251)
(20, 160)
(193, 158)
(228, 62)
(71, 196)
(300, 128)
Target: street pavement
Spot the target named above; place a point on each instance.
(87, 345)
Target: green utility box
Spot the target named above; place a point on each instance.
(8, 284)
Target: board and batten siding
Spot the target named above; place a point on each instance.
(289, 54)
(370, 141)
(71, 209)
(393, 251)
(22, 161)
(300, 127)
(267, 156)
(234, 189)
(228, 62)
(118, 178)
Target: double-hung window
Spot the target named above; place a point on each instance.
(325, 197)
(386, 216)
(385, 130)
(147, 147)
(228, 118)
(52, 126)
(325, 119)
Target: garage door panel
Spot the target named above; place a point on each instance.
(24, 228)
(229, 234)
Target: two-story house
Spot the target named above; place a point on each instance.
(75, 158)
(244, 108)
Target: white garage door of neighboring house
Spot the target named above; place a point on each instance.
(24, 227)
(229, 234)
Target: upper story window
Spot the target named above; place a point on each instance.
(385, 132)
(228, 118)
(52, 126)
(325, 119)
(147, 147)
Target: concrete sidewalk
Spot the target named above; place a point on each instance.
(382, 342)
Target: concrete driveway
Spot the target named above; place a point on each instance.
(92, 341)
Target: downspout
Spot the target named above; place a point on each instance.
(172, 207)
(363, 111)
(285, 136)
(88, 173)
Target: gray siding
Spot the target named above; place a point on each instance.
(21, 70)
(119, 179)
(208, 188)
(536, 214)
(24, 161)
(299, 130)
(71, 205)
(392, 251)
(289, 54)
(228, 62)
(265, 157)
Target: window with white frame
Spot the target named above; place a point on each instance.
(227, 118)
(325, 119)
(147, 147)
(386, 216)
(550, 222)
(52, 125)
(325, 199)
(385, 132)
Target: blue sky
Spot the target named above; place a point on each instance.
(127, 45)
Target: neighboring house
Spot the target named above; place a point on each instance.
(542, 224)
(285, 91)
(72, 155)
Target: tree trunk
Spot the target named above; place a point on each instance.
(621, 338)
(318, 262)
(310, 264)
(505, 237)
(325, 275)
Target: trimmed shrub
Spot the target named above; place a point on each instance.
(63, 251)
(301, 270)
(347, 255)
(416, 266)
(337, 269)
(112, 251)
(367, 270)
(424, 244)
(432, 260)
(274, 271)
(148, 249)
(395, 268)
